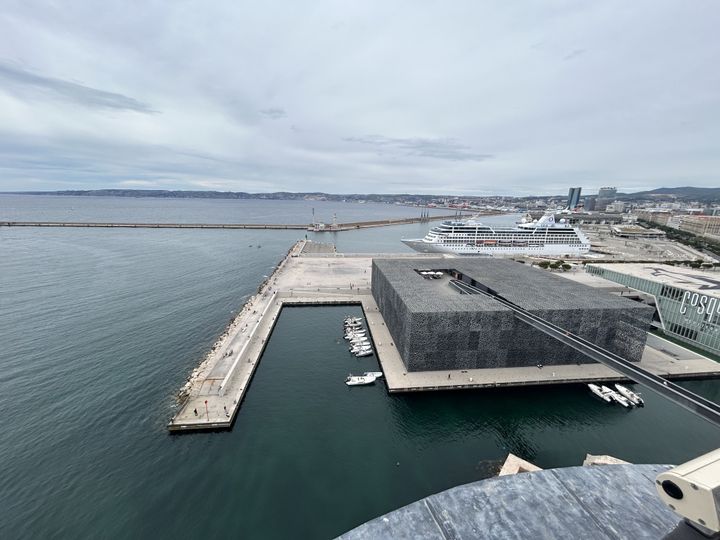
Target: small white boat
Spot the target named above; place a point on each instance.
(631, 396)
(368, 352)
(351, 335)
(356, 350)
(616, 397)
(353, 319)
(595, 389)
(357, 380)
(376, 374)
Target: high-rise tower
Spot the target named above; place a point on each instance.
(573, 197)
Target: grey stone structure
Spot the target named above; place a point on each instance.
(436, 328)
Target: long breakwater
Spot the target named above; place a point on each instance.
(274, 226)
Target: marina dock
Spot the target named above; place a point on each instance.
(313, 274)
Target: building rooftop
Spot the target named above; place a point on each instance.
(529, 288)
(684, 278)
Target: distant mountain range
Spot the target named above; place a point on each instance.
(704, 195)
(683, 193)
(278, 195)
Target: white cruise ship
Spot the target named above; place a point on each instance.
(470, 237)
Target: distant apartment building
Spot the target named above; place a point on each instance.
(700, 225)
(607, 193)
(655, 215)
(573, 198)
(617, 207)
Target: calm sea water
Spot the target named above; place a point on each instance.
(99, 328)
(155, 209)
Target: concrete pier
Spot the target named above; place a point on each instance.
(322, 277)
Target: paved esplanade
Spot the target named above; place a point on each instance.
(216, 388)
(597, 502)
(326, 278)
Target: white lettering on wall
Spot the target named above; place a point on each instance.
(683, 307)
(703, 304)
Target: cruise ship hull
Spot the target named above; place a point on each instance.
(432, 247)
(471, 237)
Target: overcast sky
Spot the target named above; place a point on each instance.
(476, 97)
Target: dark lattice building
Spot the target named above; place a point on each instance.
(437, 328)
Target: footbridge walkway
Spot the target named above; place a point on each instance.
(705, 408)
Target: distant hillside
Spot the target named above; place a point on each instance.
(682, 193)
(279, 195)
(703, 195)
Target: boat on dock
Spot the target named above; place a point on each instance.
(631, 396)
(358, 380)
(361, 348)
(616, 397)
(595, 389)
(356, 334)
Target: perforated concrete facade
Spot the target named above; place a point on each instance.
(436, 328)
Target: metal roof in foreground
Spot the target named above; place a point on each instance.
(597, 502)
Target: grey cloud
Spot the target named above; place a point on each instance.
(574, 54)
(84, 162)
(439, 148)
(639, 108)
(274, 113)
(19, 78)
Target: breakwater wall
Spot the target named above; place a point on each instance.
(273, 226)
